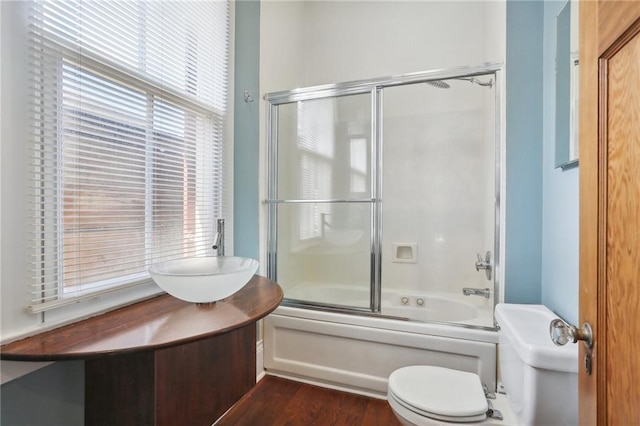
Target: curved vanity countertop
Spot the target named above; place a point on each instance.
(156, 323)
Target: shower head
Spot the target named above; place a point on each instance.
(477, 81)
(438, 83)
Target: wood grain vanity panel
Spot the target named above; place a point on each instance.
(119, 390)
(193, 384)
(218, 373)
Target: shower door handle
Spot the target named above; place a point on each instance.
(485, 264)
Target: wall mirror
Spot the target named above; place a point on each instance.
(566, 122)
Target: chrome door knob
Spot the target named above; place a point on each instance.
(562, 333)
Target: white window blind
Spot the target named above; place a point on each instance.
(127, 159)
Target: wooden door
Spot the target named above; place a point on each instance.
(610, 209)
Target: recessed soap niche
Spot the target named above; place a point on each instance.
(405, 252)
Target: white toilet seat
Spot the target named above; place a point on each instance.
(435, 416)
(439, 393)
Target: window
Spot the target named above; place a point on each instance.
(127, 166)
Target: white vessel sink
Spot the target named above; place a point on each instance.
(203, 279)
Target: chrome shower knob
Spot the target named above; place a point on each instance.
(485, 264)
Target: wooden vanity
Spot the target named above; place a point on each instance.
(161, 361)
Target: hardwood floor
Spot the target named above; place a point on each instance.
(275, 401)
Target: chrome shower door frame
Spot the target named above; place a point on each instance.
(375, 87)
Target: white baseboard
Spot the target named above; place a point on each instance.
(260, 372)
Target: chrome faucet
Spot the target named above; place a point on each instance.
(324, 223)
(485, 264)
(484, 292)
(218, 239)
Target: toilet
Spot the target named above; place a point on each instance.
(540, 380)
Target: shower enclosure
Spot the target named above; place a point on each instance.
(383, 196)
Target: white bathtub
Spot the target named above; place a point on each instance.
(357, 353)
(421, 306)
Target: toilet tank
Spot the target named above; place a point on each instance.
(539, 378)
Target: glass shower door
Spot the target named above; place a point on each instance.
(440, 200)
(321, 203)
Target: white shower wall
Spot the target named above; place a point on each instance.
(438, 184)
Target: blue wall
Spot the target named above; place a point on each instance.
(53, 395)
(523, 261)
(246, 130)
(560, 198)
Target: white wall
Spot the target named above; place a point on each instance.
(282, 43)
(13, 127)
(351, 40)
(14, 119)
(322, 42)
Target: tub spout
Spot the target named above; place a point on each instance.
(484, 292)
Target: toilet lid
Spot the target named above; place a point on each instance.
(439, 393)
